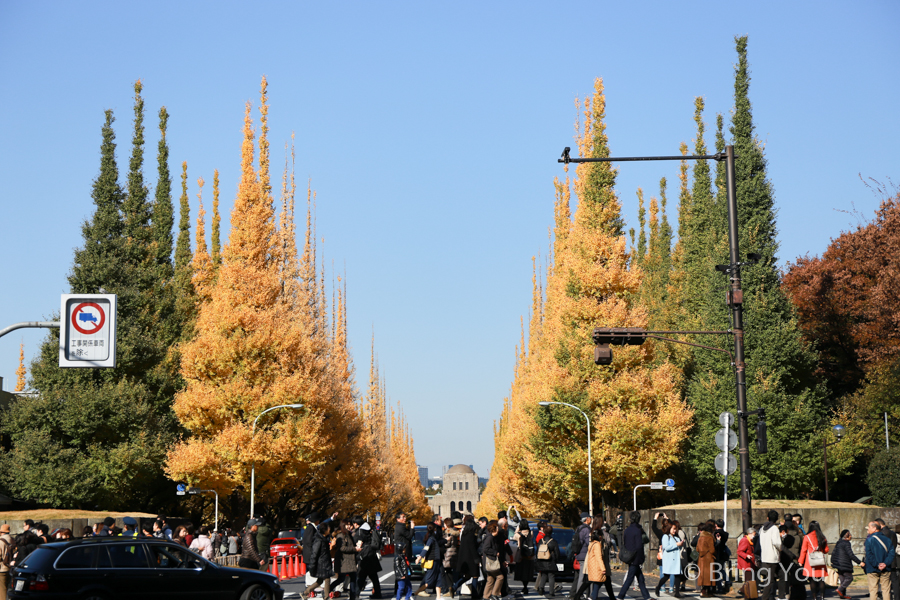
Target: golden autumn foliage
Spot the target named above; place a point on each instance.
(638, 419)
(20, 372)
(261, 340)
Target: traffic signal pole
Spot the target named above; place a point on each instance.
(735, 303)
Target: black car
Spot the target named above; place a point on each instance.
(133, 568)
(563, 536)
(418, 544)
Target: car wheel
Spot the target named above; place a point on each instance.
(256, 592)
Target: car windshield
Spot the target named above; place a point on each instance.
(289, 541)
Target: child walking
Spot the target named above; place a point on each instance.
(402, 573)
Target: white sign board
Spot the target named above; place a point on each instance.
(656, 485)
(87, 335)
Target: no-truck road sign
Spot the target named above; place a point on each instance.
(87, 336)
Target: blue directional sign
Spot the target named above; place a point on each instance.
(181, 489)
(670, 483)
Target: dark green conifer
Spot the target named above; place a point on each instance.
(163, 218)
(779, 366)
(99, 436)
(185, 296)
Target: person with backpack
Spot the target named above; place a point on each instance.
(812, 558)
(7, 551)
(578, 552)
(632, 554)
(546, 558)
(402, 571)
(369, 544)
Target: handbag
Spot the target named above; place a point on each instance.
(832, 579)
(626, 556)
(576, 564)
(491, 565)
(428, 564)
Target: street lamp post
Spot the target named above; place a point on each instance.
(198, 491)
(253, 468)
(839, 432)
(590, 479)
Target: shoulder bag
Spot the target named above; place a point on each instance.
(491, 565)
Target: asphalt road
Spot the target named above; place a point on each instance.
(294, 588)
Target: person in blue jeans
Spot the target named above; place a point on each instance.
(402, 572)
(634, 539)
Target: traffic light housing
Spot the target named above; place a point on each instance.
(620, 336)
(762, 441)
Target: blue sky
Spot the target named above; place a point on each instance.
(430, 131)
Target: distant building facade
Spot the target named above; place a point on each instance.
(460, 492)
(423, 476)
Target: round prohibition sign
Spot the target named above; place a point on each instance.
(78, 310)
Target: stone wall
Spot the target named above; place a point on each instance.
(833, 517)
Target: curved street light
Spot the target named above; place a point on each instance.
(253, 468)
(839, 433)
(590, 480)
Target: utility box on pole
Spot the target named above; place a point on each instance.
(87, 335)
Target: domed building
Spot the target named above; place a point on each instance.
(460, 492)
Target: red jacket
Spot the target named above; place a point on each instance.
(746, 558)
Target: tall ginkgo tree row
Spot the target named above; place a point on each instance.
(637, 416)
(262, 338)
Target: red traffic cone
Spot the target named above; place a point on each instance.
(292, 568)
(273, 567)
(302, 568)
(282, 575)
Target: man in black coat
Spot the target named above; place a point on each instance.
(633, 541)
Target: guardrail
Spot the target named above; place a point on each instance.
(227, 561)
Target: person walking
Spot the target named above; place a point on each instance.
(524, 557)
(578, 552)
(250, 558)
(842, 559)
(345, 559)
(633, 541)
(597, 524)
(369, 544)
(202, 544)
(467, 560)
(7, 550)
(879, 557)
(706, 548)
(451, 551)
(546, 558)
(597, 572)
(770, 551)
(320, 561)
(791, 582)
(402, 570)
(745, 557)
(671, 545)
(812, 560)
(431, 560)
(493, 553)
